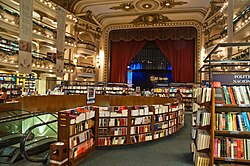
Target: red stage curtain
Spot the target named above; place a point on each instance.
(180, 53)
(122, 54)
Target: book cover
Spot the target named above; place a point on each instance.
(231, 95)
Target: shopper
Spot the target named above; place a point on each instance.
(4, 95)
(147, 93)
(179, 95)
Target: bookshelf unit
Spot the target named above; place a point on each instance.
(120, 125)
(76, 130)
(101, 88)
(112, 126)
(201, 124)
(185, 89)
(221, 131)
(231, 117)
(230, 105)
(141, 121)
(9, 82)
(83, 129)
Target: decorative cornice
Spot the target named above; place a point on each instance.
(189, 23)
(104, 16)
(150, 19)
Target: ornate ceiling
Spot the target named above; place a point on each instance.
(124, 11)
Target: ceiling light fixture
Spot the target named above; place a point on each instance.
(124, 7)
(172, 3)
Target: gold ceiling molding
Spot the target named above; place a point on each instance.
(150, 19)
(172, 3)
(189, 23)
(124, 6)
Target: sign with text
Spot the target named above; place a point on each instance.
(60, 38)
(25, 35)
(232, 78)
(91, 95)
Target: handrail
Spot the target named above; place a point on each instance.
(25, 137)
(207, 59)
(19, 117)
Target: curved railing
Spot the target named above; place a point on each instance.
(26, 136)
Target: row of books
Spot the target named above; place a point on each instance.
(160, 126)
(202, 159)
(141, 111)
(80, 114)
(160, 118)
(140, 129)
(96, 87)
(203, 139)
(195, 107)
(81, 148)
(176, 107)
(118, 113)
(202, 95)
(141, 120)
(160, 109)
(232, 121)
(172, 90)
(172, 129)
(113, 122)
(232, 95)
(112, 131)
(141, 138)
(203, 118)
(160, 134)
(172, 122)
(173, 115)
(79, 127)
(107, 141)
(233, 148)
(80, 138)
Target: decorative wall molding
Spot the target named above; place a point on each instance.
(190, 23)
(150, 19)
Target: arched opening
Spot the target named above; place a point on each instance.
(150, 68)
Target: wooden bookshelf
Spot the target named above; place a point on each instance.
(230, 160)
(236, 134)
(77, 138)
(222, 134)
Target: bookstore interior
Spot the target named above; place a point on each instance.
(81, 75)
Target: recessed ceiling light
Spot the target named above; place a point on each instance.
(127, 7)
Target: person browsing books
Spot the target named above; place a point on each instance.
(4, 95)
(179, 95)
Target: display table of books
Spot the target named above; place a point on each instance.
(82, 129)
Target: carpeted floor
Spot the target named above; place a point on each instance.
(171, 151)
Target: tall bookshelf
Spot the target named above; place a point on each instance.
(221, 128)
(76, 129)
(201, 125)
(231, 130)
